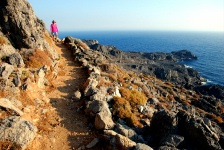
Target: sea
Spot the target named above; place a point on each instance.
(207, 46)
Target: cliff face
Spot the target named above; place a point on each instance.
(27, 64)
(23, 29)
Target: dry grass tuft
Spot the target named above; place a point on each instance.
(3, 94)
(215, 118)
(103, 83)
(39, 58)
(8, 145)
(25, 99)
(48, 120)
(218, 119)
(133, 96)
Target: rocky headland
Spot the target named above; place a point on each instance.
(138, 101)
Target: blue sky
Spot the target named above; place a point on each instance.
(86, 15)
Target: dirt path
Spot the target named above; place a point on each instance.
(65, 128)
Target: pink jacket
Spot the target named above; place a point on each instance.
(54, 27)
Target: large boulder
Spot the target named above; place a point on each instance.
(6, 49)
(16, 60)
(5, 103)
(18, 131)
(199, 133)
(127, 132)
(163, 124)
(119, 141)
(5, 70)
(103, 119)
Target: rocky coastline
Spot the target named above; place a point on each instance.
(172, 117)
(161, 65)
(139, 101)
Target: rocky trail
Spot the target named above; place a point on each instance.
(106, 99)
(66, 126)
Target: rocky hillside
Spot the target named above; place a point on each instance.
(28, 62)
(133, 100)
(139, 111)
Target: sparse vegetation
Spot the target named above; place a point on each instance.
(2, 40)
(24, 97)
(48, 39)
(8, 145)
(123, 109)
(133, 96)
(215, 118)
(38, 59)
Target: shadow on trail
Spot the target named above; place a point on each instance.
(74, 121)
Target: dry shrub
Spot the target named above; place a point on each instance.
(126, 93)
(108, 68)
(123, 109)
(201, 111)
(2, 40)
(25, 74)
(134, 86)
(215, 118)
(39, 58)
(133, 96)
(8, 145)
(25, 98)
(112, 77)
(122, 75)
(61, 73)
(104, 67)
(221, 108)
(218, 119)
(3, 94)
(103, 83)
(4, 114)
(171, 98)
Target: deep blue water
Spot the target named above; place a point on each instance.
(207, 46)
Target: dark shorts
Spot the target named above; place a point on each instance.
(54, 33)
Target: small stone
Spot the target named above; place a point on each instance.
(77, 95)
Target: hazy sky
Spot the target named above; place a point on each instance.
(195, 15)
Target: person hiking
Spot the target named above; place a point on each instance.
(54, 30)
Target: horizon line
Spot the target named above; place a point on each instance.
(128, 30)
